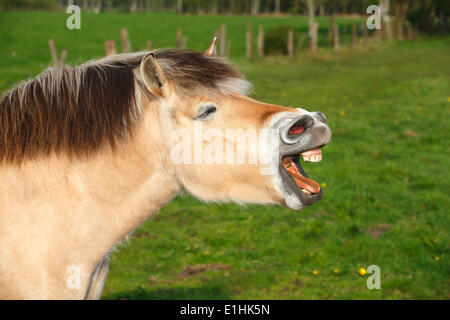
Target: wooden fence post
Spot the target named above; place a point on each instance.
(255, 5)
(249, 42)
(364, 32)
(335, 38)
(385, 19)
(133, 6)
(260, 42)
(214, 7)
(222, 40)
(179, 38)
(388, 29)
(313, 36)
(126, 46)
(378, 35)
(290, 44)
(110, 47)
(277, 7)
(400, 13)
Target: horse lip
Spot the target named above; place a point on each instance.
(295, 153)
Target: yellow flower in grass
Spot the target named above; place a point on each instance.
(206, 252)
(336, 271)
(323, 184)
(437, 258)
(362, 271)
(341, 112)
(448, 99)
(315, 272)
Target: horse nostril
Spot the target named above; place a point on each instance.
(291, 131)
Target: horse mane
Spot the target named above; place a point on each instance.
(78, 110)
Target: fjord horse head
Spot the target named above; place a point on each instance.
(225, 146)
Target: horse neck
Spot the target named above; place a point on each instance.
(93, 202)
(132, 182)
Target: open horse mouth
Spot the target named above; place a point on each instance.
(304, 137)
(293, 167)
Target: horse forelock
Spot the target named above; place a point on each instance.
(77, 110)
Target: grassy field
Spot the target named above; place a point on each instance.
(385, 174)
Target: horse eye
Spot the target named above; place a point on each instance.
(205, 112)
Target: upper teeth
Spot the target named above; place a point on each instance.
(314, 157)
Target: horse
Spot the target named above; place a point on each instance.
(90, 152)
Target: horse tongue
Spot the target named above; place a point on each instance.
(306, 183)
(301, 181)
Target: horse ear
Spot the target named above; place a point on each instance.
(153, 76)
(212, 48)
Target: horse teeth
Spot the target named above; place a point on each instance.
(316, 158)
(312, 155)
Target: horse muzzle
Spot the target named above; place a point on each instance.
(302, 136)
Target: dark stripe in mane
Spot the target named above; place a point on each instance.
(78, 110)
(70, 110)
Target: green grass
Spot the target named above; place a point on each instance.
(386, 171)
